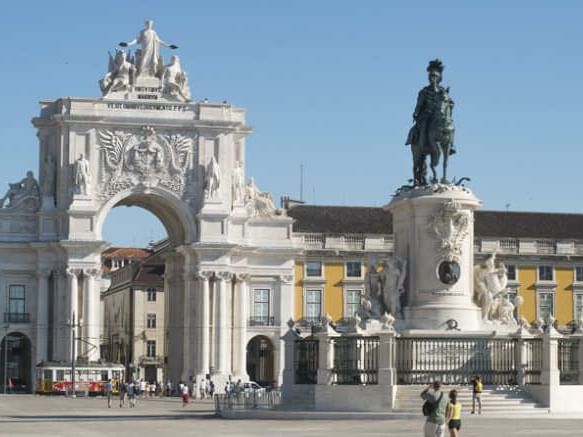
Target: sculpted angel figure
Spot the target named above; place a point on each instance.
(176, 81)
(212, 180)
(148, 61)
(238, 183)
(24, 194)
(120, 74)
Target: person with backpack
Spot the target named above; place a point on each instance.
(434, 409)
(477, 388)
(454, 414)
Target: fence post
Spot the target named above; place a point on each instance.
(387, 352)
(579, 335)
(326, 352)
(289, 339)
(520, 355)
(551, 375)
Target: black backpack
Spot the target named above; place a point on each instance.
(429, 407)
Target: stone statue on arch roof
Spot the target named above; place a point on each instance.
(120, 75)
(148, 59)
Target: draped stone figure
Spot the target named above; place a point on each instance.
(490, 292)
(176, 81)
(120, 75)
(82, 175)
(23, 195)
(148, 57)
(212, 178)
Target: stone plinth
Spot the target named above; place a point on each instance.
(433, 229)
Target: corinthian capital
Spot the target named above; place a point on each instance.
(242, 277)
(203, 275)
(286, 279)
(94, 273)
(226, 276)
(73, 272)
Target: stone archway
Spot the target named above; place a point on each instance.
(260, 360)
(19, 362)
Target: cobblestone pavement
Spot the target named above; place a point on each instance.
(57, 416)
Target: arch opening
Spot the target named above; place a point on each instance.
(260, 361)
(15, 360)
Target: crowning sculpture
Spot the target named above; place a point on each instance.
(432, 134)
(145, 70)
(23, 195)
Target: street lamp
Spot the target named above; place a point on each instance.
(72, 325)
(7, 327)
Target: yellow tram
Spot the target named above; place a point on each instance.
(90, 379)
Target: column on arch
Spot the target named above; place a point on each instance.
(73, 310)
(91, 313)
(42, 315)
(241, 319)
(222, 346)
(203, 315)
(286, 311)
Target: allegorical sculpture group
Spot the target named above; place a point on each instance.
(125, 69)
(432, 134)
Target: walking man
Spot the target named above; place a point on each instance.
(434, 408)
(123, 389)
(108, 388)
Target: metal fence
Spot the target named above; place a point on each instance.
(534, 360)
(253, 400)
(356, 360)
(306, 361)
(456, 360)
(569, 360)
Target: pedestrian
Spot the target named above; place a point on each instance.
(477, 388)
(132, 393)
(211, 388)
(202, 389)
(123, 390)
(185, 395)
(434, 409)
(108, 390)
(168, 388)
(143, 390)
(454, 414)
(152, 389)
(194, 391)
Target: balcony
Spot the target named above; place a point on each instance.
(16, 318)
(262, 321)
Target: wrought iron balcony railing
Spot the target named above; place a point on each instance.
(16, 318)
(262, 321)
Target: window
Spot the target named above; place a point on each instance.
(314, 269)
(578, 306)
(353, 269)
(545, 273)
(313, 305)
(261, 298)
(511, 272)
(578, 274)
(351, 302)
(16, 299)
(151, 321)
(545, 305)
(151, 348)
(151, 294)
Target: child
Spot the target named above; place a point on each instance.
(477, 387)
(454, 414)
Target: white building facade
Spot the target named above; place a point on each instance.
(144, 143)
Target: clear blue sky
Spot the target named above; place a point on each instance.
(331, 84)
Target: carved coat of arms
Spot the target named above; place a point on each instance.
(144, 158)
(451, 226)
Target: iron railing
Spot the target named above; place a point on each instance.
(262, 321)
(306, 361)
(569, 360)
(534, 360)
(356, 360)
(456, 360)
(16, 317)
(253, 400)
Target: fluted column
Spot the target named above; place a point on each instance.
(73, 291)
(42, 315)
(222, 352)
(241, 321)
(204, 334)
(91, 314)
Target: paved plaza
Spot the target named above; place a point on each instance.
(35, 416)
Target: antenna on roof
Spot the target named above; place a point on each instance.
(301, 182)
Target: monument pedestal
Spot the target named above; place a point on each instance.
(433, 229)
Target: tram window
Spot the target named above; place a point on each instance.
(48, 374)
(67, 375)
(116, 374)
(104, 375)
(60, 375)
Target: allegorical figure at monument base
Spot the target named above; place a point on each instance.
(432, 134)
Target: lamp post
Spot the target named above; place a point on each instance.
(72, 325)
(7, 327)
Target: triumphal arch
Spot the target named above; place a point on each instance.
(145, 142)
